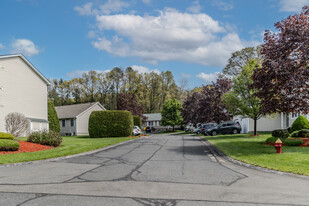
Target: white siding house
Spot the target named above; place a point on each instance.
(74, 118)
(268, 123)
(23, 90)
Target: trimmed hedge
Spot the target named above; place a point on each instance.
(54, 124)
(282, 133)
(6, 136)
(50, 138)
(110, 123)
(293, 142)
(273, 139)
(8, 145)
(300, 133)
(300, 123)
(137, 121)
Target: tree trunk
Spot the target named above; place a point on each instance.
(255, 124)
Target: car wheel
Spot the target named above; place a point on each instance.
(214, 133)
(235, 131)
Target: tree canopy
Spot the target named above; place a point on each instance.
(171, 113)
(151, 89)
(282, 81)
(241, 100)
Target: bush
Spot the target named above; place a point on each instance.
(50, 138)
(8, 145)
(53, 118)
(273, 139)
(16, 124)
(300, 123)
(294, 134)
(303, 133)
(6, 136)
(293, 142)
(137, 121)
(112, 123)
(282, 133)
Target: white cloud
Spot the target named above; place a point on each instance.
(292, 5)
(195, 8)
(142, 69)
(208, 78)
(86, 9)
(171, 35)
(25, 46)
(224, 6)
(79, 73)
(109, 7)
(2, 46)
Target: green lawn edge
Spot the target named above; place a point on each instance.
(252, 150)
(70, 146)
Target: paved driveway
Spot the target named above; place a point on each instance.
(160, 170)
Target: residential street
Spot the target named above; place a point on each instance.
(159, 170)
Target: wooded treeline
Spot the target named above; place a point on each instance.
(151, 89)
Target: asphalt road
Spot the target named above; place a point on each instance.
(159, 170)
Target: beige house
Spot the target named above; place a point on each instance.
(74, 118)
(269, 123)
(23, 90)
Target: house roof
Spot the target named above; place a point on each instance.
(74, 110)
(28, 63)
(153, 117)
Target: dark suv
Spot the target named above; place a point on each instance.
(224, 128)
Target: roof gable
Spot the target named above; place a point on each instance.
(74, 110)
(28, 63)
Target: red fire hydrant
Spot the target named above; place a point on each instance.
(278, 145)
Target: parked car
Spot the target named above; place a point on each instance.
(198, 130)
(224, 128)
(188, 128)
(137, 131)
(207, 127)
(150, 129)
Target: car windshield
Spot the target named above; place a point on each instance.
(135, 127)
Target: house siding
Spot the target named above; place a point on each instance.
(67, 129)
(23, 91)
(83, 119)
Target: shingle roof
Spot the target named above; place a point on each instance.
(72, 111)
(153, 117)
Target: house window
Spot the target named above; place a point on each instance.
(295, 115)
(72, 122)
(63, 123)
(150, 123)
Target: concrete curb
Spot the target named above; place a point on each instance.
(217, 152)
(70, 156)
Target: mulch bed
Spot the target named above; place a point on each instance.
(27, 147)
(254, 135)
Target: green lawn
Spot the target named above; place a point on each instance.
(252, 150)
(69, 146)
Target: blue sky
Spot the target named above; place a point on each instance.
(193, 39)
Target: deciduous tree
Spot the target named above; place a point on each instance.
(241, 100)
(171, 114)
(282, 81)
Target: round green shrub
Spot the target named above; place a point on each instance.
(300, 123)
(8, 145)
(137, 121)
(282, 133)
(54, 124)
(6, 136)
(110, 123)
(293, 142)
